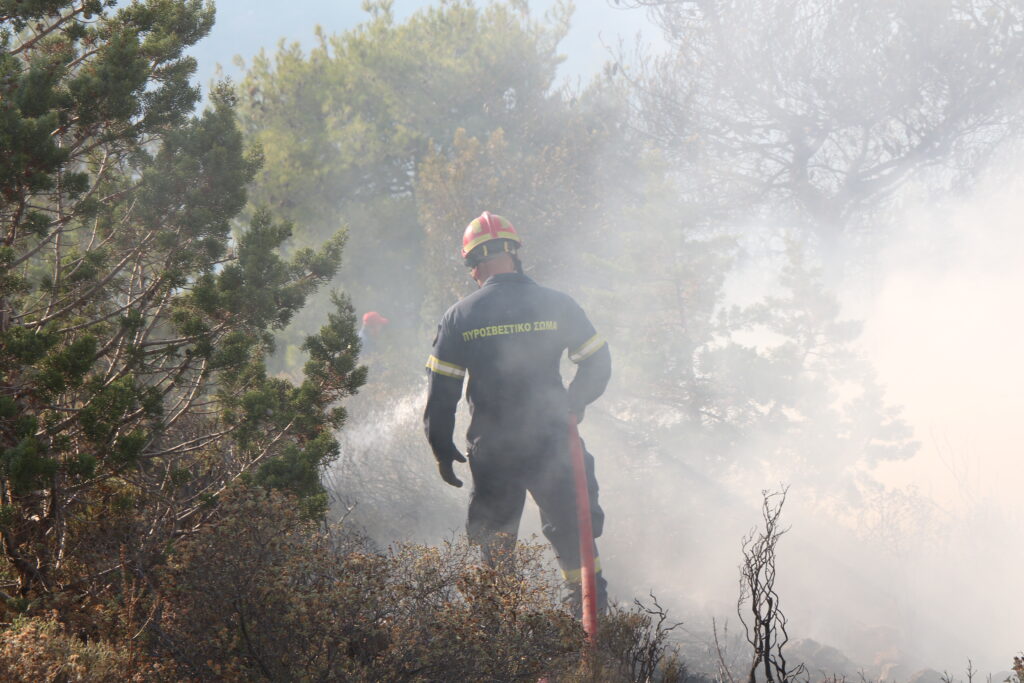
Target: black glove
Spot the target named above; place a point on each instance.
(444, 466)
(578, 413)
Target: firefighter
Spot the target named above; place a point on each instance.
(508, 337)
(373, 323)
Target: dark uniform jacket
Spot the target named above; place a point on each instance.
(509, 337)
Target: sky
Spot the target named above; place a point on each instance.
(243, 27)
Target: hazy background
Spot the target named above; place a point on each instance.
(922, 572)
(941, 336)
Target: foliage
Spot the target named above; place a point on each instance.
(141, 297)
(133, 326)
(757, 376)
(821, 112)
(264, 595)
(549, 183)
(589, 197)
(42, 649)
(404, 131)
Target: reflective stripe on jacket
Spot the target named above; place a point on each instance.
(509, 337)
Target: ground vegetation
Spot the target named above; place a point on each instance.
(178, 345)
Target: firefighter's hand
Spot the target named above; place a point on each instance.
(444, 466)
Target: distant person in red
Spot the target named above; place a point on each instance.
(373, 323)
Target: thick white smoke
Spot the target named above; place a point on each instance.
(944, 332)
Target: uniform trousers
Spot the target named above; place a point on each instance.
(505, 468)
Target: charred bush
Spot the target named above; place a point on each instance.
(635, 645)
(765, 624)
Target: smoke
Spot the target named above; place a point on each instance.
(385, 483)
(917, 570)
(918, 573)
(944, 334)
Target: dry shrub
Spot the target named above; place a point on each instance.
(635, 645)
(264, 595)
(40, 649)
(457, 620)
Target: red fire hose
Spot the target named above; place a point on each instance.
(587, 572)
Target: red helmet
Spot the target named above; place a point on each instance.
(488, 228)
(374, 320)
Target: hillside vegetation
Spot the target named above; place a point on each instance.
(179, 283)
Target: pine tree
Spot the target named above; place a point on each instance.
(133, 324)
(348, 127)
